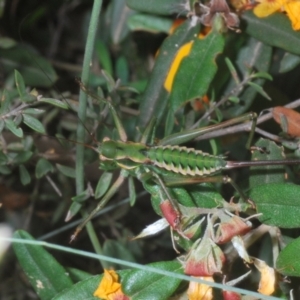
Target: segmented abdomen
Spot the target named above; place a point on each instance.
(186, 161)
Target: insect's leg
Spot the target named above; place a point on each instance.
(149, 131)
(187, 135)
(109, 194)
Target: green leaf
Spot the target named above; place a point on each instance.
(122, 72)
(55, 102)
(22, 157)
(11, 126)
(36, 70)
(25, 97)
(251, 54)
(24, 175)
(117, 250)
(288, 261)
(43, 167)
(270, 173)
(278, 203)
(259, 89)
(132, 192)
(103, 184)
(77, 275)
(275, 30)
(82, 196)
(119, 16)
(73, 210)
(155, 97)
(6, 100)
(33, 111)
(45, 274)
(6, 42)
(264, 75)
(192, 80)
(5, 170)
(158, 7)
(67, 171)
(150, 23)
(289, 62)
(140, 284)
(104, 56)
(33, 123)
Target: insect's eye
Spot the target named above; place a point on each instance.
(108, 149)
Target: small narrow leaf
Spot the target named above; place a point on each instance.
(234, 99)
(24, 175)
(43, 167)
(20, 84)
(33, 123)
(67, 171)
(264, 75)
(5, 101)
(259, 89)
(55, 102)
(132, 193)
(11, 126)
(33, 111)
(73, 210)
(103, 184)
(82, 196)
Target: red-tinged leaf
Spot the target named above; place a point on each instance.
(170, 213)
(288, 119)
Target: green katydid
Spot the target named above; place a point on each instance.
(167, 163)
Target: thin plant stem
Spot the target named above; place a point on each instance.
(90, 42)
(244, 126)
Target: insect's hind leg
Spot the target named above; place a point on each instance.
(188, 135)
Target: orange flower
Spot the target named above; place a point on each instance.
(200, 291)
(109, 287)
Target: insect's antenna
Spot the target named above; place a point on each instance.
(55, 86)
(70, 140)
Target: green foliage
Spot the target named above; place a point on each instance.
(147, 85)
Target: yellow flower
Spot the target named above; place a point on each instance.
(268, 7)
(109, 287)
(292, 9)
(200, 291)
